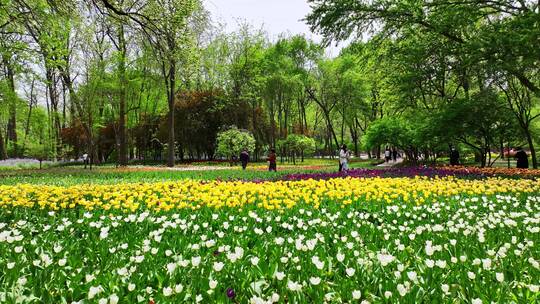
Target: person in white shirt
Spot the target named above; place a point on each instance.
(85, 159)
(344, 156)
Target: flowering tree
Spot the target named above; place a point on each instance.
(231, 142)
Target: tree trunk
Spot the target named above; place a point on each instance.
(122, 153)
(354, 135)
(53, 97)
(531, 148)
(502, 149)
(12, 121)
(3, 154)
(171, 87)
(30, 107)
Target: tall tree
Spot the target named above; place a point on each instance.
(478, 28)
(165, 23)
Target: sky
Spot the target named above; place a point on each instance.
(275, 16)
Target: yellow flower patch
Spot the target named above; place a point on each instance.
(268, 195)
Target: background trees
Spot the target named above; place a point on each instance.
(124, 80)
(454, 62)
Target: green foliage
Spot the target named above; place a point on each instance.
(430, 74)
(233, 141)
(39, 151)
(389, 131)
(296, 143)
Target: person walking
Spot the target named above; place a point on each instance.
(244, 158)
(272, 161)
(344, 157)
(454, 157)
(394, 154)
(522, 159)
(85, 159)
(387, 154)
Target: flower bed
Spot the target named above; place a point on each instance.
(391, 172)
(478, 244)
(191, 194)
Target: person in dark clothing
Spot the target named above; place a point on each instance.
(522, 159)
(394, 154)
(244, 159)
(387, 154)
(454, 157)
(272, 161)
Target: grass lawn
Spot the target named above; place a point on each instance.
(108, 174)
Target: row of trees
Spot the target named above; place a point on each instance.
(157, 79)
(462, 72)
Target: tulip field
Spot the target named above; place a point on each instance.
(363, 238)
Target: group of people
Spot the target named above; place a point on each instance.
(391, 154)
(519, 154)
(272, 160)
(344, 157)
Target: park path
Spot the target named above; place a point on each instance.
(199, 168)
(391, 163)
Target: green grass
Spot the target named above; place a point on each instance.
(107, 174)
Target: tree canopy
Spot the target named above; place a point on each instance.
(158, 80)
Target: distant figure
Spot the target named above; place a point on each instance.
(454, 157)
(85, 159)
(272, 161)
(344, 157)
(244, 158)
(522, 158)
(394, 154)
(387, 154)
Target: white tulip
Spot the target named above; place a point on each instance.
(315, 280)
(218, 266)
(22, 281)
(254, 261)
(445, 288)
(167, 291)
(113, 299)
(178, 288)
(195, 261)
(93, 291)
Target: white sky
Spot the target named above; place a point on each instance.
(276, 16)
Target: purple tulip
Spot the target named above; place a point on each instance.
(393, 172)
(230, 293)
